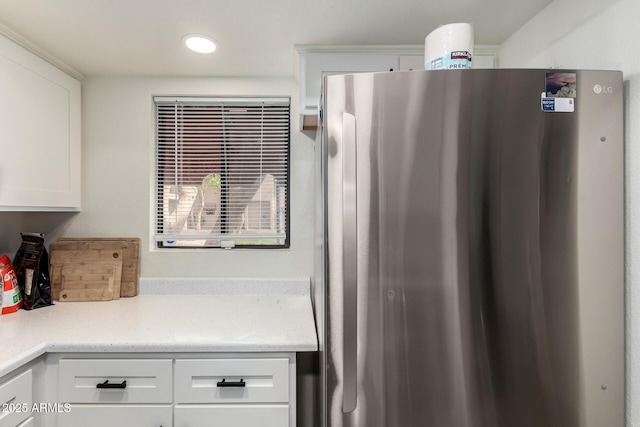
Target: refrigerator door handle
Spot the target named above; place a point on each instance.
(350, 263)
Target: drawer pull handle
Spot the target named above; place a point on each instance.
(225, 383)
(106, 384)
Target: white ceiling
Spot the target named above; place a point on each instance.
(256, 37)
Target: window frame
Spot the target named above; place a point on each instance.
(158, 200)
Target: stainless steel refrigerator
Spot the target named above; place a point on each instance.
(470, 249)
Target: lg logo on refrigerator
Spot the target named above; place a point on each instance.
(602, 89)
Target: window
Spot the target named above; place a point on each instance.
(222, 170)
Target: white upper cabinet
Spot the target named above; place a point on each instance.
(40, 138)
(316, 61)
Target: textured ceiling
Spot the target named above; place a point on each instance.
(256, 37)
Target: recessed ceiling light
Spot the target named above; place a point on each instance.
(199, 43)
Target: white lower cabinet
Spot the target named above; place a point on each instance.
(232, 415)
(16, 400)
(115, 381)
(232, 381)
(116, 392)
(117, 415)
(181, 390)
(229, 392)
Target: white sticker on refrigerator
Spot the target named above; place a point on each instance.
(557, 105)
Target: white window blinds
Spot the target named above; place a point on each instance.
(222, 169)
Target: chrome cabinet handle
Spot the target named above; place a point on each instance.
(350, 263)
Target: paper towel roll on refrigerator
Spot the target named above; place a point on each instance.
(449, 47)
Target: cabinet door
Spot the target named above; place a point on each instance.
(16, 399)
(232, 416)
(116, 415)
(40, 144)
(315, 64)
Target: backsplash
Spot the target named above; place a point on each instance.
(224, 286)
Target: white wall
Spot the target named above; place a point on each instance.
(117, 181)
(598, 35)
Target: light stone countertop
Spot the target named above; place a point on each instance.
(169, 315)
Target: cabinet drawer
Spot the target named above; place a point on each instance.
(232, 416)
(16, 399)
(147, 381)
(265, 380)
(117, 415)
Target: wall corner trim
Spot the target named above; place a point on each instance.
(36, 50)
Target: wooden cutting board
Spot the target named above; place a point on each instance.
(102, 250)
(92, 281)
(64, 260)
